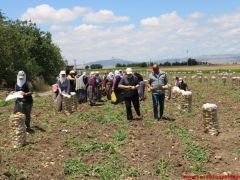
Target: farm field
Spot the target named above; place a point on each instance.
(99, 143)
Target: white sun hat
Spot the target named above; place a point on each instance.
(129, 71)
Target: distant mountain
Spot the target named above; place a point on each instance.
(220, 59)
(110, 62)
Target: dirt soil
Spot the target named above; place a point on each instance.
(147, 141)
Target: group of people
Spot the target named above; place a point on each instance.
(93, 87)
(127, 86)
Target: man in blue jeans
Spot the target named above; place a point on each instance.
(157, 79)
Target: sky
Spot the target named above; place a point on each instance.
(139, 30)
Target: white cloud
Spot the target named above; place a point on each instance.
(166, 35)
(165, 20)
(104, 16)
(152, 21)
(197, 15)
(227, 20)
(44, 14)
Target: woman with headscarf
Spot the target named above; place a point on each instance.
(81, 86)
(109, 82)
(63, 88)
(24, 105)
(91, 89)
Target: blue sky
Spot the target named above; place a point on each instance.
(87, 30)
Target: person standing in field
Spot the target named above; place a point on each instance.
(63, 88)
(24, 105)
(91, 89)
(99, 86)
(157, 79)
(108, 85)
(81, 86)
(129, 83)
(71, 78)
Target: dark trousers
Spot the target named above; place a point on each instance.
(119, 95)
(24, 108)
(81, 95)
(135, 101)
(158, 99)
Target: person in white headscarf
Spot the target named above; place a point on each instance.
(108, 85)
(24, 105)
(63, 88)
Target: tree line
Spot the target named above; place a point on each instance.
(189, 62)
(23, 46)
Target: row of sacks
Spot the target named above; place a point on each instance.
(183, 99)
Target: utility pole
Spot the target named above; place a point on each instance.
(187, 57)
(75, 63)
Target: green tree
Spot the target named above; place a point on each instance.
(96, 66)
(23, 46)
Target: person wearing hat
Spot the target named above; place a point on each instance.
(129, 83)
(24, 105)
(156, 84)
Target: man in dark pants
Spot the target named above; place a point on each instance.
(129, 83)
(157, 79)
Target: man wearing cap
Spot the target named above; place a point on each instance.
(156, 83)
(24, 105)
(129, 83)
